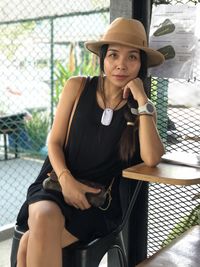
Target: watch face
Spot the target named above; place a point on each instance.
(150, 108)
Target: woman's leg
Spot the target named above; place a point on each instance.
(46, 236)
(21, 254)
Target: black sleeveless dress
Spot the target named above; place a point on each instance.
(91, 154)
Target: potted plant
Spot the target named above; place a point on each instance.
(37, 129)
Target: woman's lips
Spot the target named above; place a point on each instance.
(120, 77)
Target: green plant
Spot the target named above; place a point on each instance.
(184, 224)
(62, 73)
(11, 36)
(88, 66)
(37, 129)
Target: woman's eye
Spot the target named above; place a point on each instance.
(112, 55)
(132, 57)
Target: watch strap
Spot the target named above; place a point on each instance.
(147, 108)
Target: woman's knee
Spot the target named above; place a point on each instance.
(45, 213)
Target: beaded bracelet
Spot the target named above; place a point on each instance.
(62, 172)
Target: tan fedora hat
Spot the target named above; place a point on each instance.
(129, 32)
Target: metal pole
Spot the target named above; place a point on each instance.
(52, 67)
(135, 232)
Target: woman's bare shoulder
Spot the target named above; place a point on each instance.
(71, 88)
(73, 83)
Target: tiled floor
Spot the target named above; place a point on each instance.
(5, 247)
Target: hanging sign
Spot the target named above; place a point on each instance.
(172, 32)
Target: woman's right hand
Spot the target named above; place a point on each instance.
(74, 192)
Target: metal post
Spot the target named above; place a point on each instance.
(52, 66)
(120, 8)
(135, 233)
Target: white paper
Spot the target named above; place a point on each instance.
(177, 25)
(182, 158)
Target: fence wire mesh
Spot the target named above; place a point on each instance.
(173, 209)
(42, 44)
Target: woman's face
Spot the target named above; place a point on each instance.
(121, 64)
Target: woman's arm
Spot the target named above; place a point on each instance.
(73, 191)
(151, 146)
(60, 124)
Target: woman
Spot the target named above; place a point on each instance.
(113, 127)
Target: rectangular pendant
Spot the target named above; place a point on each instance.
(107, 116)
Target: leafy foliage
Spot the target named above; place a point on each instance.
(12, 35)
(37, 129)
(184, 224)
(88, 66)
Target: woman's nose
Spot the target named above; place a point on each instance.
(121, 65)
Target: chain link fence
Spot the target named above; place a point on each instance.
(41, 46)
(172, 209)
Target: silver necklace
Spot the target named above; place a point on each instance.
(107, 114)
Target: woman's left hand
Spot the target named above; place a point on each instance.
(136, 88)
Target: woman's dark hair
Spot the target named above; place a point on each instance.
(128, 138)
(102, 55)
(127, 141)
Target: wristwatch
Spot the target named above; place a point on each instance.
(148, 108)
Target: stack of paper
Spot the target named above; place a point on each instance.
(182, 158)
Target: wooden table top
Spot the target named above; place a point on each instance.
(164, 173)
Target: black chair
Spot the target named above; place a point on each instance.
(11, 124)
(89, 255)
